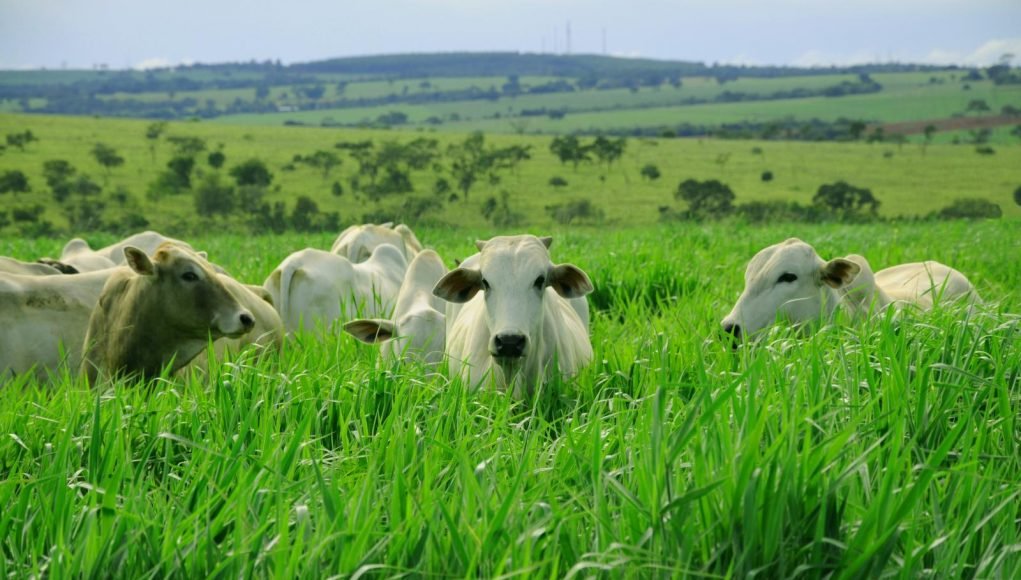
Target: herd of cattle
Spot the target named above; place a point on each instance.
(506, 316)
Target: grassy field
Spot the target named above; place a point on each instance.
(888, 448)
(907, 180)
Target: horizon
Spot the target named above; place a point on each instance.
(120, 33)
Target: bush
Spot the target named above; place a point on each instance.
(213, 197)
(557, 181)
(767, 176)
(499, 212)
(985, 150)
(575, 211)
(846, 201)
(650, 172)
(14, 181)
(252, 172)
(709, 199)
(216, 159)
(306, 217)
(970, 208)
(779, 211)
(1017, 195)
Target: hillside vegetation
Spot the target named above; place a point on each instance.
(907, 179)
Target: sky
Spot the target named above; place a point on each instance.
(149, 33)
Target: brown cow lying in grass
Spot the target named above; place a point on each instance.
(159, 312)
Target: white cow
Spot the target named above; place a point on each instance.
(790, 281)
(13, 266)
(356, 243)
(416, 331)
(515, 322)
(45, 319)
(312, 287)
(78, 254)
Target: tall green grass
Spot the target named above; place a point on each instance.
(888, 447)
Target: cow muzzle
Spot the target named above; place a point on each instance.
(237, 324)
(508, 345)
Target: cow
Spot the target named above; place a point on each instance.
(356, 243)
(417, 330)
(13, 266)
(515, 327)
(790, 281)
(313, 288)
(268, 332)
(78, 255)
(45, 319)
(159, 313)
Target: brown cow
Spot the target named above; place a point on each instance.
(160, 310)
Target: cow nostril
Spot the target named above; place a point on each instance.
(247, 321)
(509, 345)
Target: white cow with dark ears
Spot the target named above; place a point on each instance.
(509, 320)
(789, 281)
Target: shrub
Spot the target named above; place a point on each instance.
(14, 181)
(575, 211)
(216, 159)
(970, 208)
(213, 197)
(985, 150)
(709, 199)
(767, 176)
(557, 181)
(1017, 195)
(650, 172)
(252, 172)
(846, 201)
(499, 212)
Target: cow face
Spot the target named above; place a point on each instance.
(514, 274)
(417, 334)
(191, 299)
(787, 281)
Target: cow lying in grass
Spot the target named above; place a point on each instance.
(159, 313)
(509, 321)
(789, 281)
(417, 329)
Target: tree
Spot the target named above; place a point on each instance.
(216, 159)
(14, 181)
(58, 174)
(845, 200)
(568, 149)
(650, 172)
(468, 161)
(1016, 131)
(557, 181)
(930, 132)
(181, 167)
(107, 157)
(977, 106)
(706, 199)
(20, 140)
(608, 150)
(261, 92)
(1017, 195)
(214, 197)
(187, 146)
(252, 172)
(153, 132)
(324, 161)
(856, 129)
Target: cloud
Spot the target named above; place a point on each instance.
(159, 62)
(815, 57)
(987, 54)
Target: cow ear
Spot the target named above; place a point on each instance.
(459, 285)
(546, 241)
(139, 261)
(839, 272)
(370, 331)
(570, 281)
(479, 244)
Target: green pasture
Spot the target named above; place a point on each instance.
(907, 179)
(886, 448)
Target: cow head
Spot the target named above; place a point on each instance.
(787, 281)
(513, 273)
(192, 300)
(419, 334)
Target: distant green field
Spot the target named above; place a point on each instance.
(906, 179)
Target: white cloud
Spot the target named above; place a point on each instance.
(159, 62)
(987, 54)
(815, 57)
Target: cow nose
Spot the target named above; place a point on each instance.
(511, 345)
(247, 322)
(732, 329)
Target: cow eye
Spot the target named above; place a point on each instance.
(190, 277)
(786, 277)
(485, 284)
(540, 283)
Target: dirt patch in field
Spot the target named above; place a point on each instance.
(951, 124)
